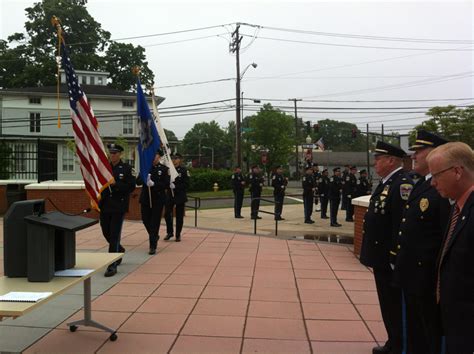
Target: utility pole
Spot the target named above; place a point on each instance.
(199, 152)
(368, 154)
(382, 134)
(235, 48)
(297, 170)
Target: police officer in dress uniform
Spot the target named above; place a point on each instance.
(323, 187)
(452, 174)
(308, 194)
(255, 182)
(364, 187)
(424, 220)
(349, 189)
(317, 178)
(238, 187)
(153, 199)
(335, 189)
(345, 173)
(114, 203)
(279, 183)
(177, 199)
(380, 232)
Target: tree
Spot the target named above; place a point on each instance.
(211, 136)
(454, 124)
(170, 135)
(33, 62)
(270, 129)
(339, 136)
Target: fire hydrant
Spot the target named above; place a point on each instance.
(216, 187)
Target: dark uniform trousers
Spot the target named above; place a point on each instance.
(179, 217)
(111, 225)
(349, 209)
(381, 224)
(238, 201)
(177, 200)
(151, 218)
(278, 204)
(308, 205)
(255, 203)
(333, 209)
(324, 206)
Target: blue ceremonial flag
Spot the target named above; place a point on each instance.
(149, 140)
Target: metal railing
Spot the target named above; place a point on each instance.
(197, 205)
(265, 212)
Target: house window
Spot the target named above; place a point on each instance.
(35, 100)
(67, 163)
(127, 124)
(92, 80)
(35, 122)
(84, 80)
(127, 103)
(100, 81)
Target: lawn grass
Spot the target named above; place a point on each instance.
(227, 193)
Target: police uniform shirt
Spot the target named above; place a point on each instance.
(335, 187)
(349, 185)
(115, 198)
(255, 183)
(160, 175)
(181, 183)
(363, 186)
(308, 184)
(237, 179)
(323, 186)
(279, 183)
(382, 219)
(424, 221)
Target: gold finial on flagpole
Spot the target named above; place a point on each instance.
(136, 70)
(57, 24)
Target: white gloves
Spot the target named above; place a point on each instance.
(149, 182)
(172, 186)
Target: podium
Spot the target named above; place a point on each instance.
(51, 243)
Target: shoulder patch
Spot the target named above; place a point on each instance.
(405, 190)
(274, 177)
(187, 172)
(233, 176)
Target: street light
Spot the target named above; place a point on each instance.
(212, 154)
(238, 133)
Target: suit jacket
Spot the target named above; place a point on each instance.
(115, 199)
(457, 284)
(382, 219)
(423, 224)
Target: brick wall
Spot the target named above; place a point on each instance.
(359, 213)
(75, 200)
(3, 199)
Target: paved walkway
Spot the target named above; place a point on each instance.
(215, 292)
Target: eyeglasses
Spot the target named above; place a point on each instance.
(437, 174)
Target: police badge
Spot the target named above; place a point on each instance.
(424, 204)
(405, 190)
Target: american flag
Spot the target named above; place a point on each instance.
(320, 144)
(95, 167)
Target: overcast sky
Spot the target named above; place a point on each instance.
(292, 64)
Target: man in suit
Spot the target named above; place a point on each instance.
(153, 199)
(380, 230)
(323, 187)
(423, 222)
(335, 189)
(279, 183)
(452, 174)
(349, 189)
(308, 194)
(177, 199)
(114, 203)
(238, 187)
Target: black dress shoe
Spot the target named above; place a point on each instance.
(324, 217)
(168, 236)
(239, 217)
(384, 349)
(111, 271)
(178, 239)
(336, 225)
(152, 251)
(280, 219)
(256, 217)
(309, 222)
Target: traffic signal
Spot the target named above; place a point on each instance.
(354, 133)
(316, 128)
(308, 127)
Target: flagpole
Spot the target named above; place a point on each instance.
(57, 24)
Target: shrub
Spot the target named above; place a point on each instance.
(203, 179)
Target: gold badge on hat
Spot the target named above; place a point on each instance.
(424, 204)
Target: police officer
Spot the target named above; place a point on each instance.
(345, 174)
(316, 177)
(335, 189)
(153, 199)
(424, 220)
(177, 199)
(114, 203)
(308, 194)
(238, 187)
(255, 181)
(380, 232)
(323, 187)
(279, 183)
(349, 189)
(364, 187)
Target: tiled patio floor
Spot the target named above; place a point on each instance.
(216, 292)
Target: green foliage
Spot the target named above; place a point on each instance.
(454, 124)
(29, 60)
(208, 135)
(337, 136)
(270, 129)
(170, 135)
(5, 160)
(203, 179)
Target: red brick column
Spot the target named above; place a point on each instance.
(3, 199)
(359, 212)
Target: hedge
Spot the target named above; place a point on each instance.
(203, 179)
